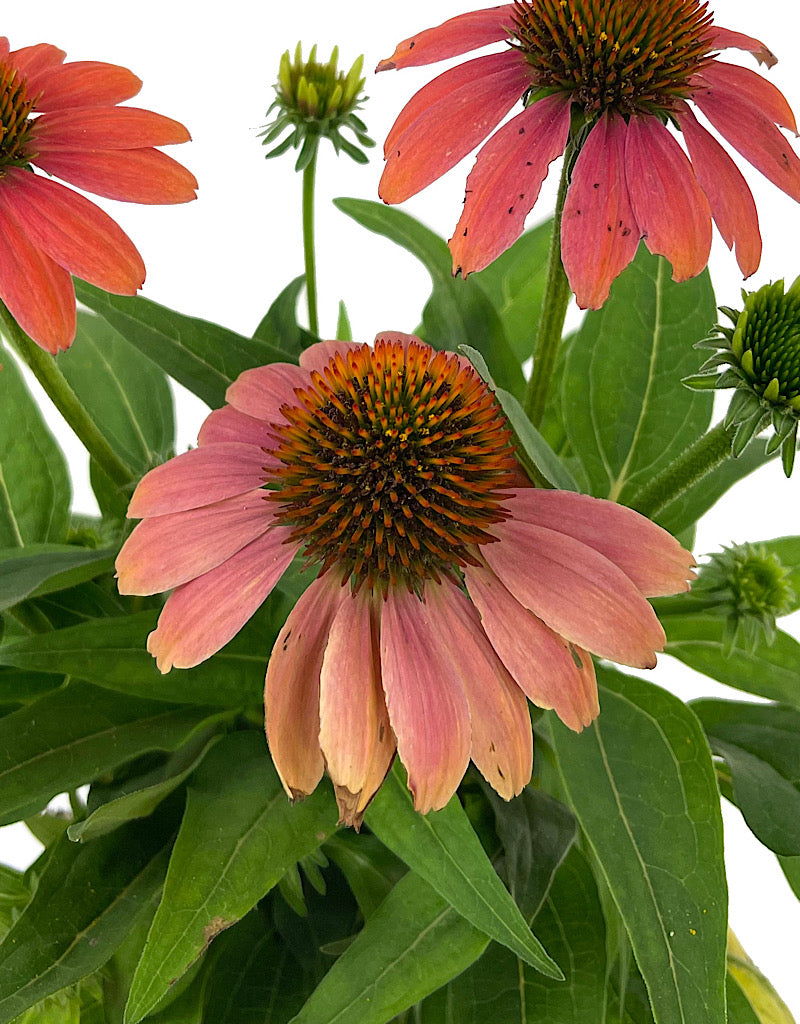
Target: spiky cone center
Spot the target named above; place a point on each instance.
(313, 91)
(395, 460)
(766, 342)
(16, 124)
(623, 55)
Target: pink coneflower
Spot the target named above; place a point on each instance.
(609, 77)
(64, 119)
(449, 589)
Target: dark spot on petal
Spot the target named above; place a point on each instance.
(511, 209)
(610, 228)
(596, 185)
(626, 232)
(522, 131)
(412, 44)
(529, 163)
(465, 232)
(500, 772)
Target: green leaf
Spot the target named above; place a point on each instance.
(769, 670)
(739, 1009)
(73, 735)
(203, 356)
(791, 868)
(46, 568)
(761, 745)
(642, 785)
(626, 413)
(35, 489)
(414, 943)
(370, 869)
(764, 1001)
(279, 327)
(126, 394)
(444, 850)
(19, 687)
(238, 813)
(86, 900)
(458, 311)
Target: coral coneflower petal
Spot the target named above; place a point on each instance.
(750, 132)
(506, 180)
(228, 424)
(577, 591)
(502, 743)
(670, 207)
(451, 38)
(74, 232)
(108, 127)
(355, 735)
(750, 88)
(319, 355)
(165, 551)
(732, 205)
(724, 38)
(291, 692)
(599, 233)
(83, 83)
(467, 105)
(262, 391)
(201, 616)
(145, 176)
(38, 292)
(199, 477)
(427, 706)
(645, 552)
(539, 659)
(30, 61)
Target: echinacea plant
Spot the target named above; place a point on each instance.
(350, 710)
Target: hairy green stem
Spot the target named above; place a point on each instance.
(554, 309)
(705, 454)
(46, 371)
(309, 175)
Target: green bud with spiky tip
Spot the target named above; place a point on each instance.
(316, 101)
(750, 588)
(760, 357)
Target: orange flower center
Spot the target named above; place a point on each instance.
(629, 55)
(394, 462)
(15, 125)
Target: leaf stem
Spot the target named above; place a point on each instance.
(309, 175)
(706, 453)
(45, 369)
(554, 309)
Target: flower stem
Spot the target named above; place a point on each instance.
(309, 175)
(703, 455)
(554, 309)
(46, 371)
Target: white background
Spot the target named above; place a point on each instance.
(226, 256)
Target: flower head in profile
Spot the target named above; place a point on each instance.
(64, 119)
(609, 81)
(449, 589)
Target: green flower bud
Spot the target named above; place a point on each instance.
(760, 357)
(750, 588)
(316, 101)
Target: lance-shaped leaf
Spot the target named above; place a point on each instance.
(73, 735)
(239, 835)
(47, 568)
(761, 745)
(444, 850)
(642, 785)
(279, 327)
(34, 484)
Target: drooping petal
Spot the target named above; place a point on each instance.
(732, 205)
(505, 182)
(262, 391)
(83, 83)
(670, 207)
(540, 660)
(502, 743)
(108, 127)
(228, 424)
(451, 38)
(355, 735)
(38, 292)
(645, 552)
(454, 113)
(201, 616)
(427, 706)
(599, 233)
(751, 88)
(131, 175)
(291, 692)
(577, 591)
(724, 38)
(317, 356)
(198, 477)
(75, 233)
(165, 551)
(750, 132)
